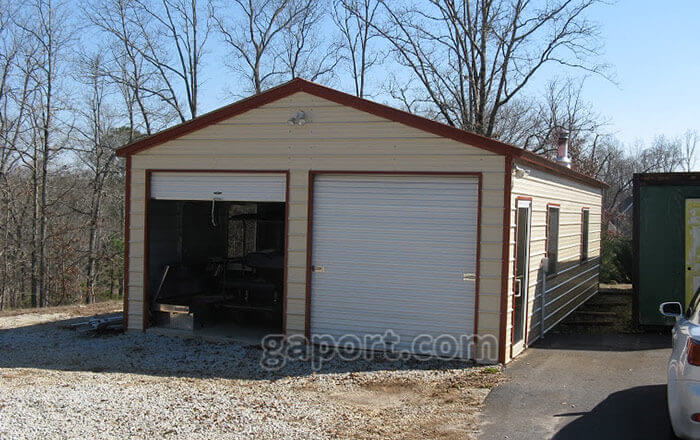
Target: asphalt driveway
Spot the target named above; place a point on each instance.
(583, 387)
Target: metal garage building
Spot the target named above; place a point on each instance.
(666, 239)
(305, 210)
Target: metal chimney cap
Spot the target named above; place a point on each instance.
(563, 149)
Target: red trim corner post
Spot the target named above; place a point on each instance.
(505, 254)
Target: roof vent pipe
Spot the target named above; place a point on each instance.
(563, 149)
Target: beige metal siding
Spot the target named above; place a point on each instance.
(575, 281)
(337, 138)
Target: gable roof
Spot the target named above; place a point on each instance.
(390, 113)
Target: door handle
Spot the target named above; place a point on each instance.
(318, 269)
(518, 288)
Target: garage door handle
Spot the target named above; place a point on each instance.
(318, 269)
(468, 277)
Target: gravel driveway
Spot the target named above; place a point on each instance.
(58, 383)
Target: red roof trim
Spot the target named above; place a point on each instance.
(210, 118)
(393, 114)
(406, 118)
(537, 161)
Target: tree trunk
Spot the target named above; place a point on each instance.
(35, 234)
(42, 225)
(92, 261)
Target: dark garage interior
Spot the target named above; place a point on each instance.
(216, 267)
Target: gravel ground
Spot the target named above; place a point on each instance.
(59, 383)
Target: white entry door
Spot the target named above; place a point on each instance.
(395, 253)
(522, 268)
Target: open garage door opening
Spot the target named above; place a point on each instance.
(215, 267)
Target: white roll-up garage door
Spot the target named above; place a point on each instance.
(241, 187)
(395, 253)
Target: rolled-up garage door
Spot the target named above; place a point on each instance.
(241, 187)
(395, 253)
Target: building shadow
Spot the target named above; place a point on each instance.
(55, 346)
(595, 337)
(634, 413)
(650, 340)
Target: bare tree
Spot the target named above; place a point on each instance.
(47, 34)
(254, 30)
(616, 167)
(97, 156)
(351, 17)
(9, 47)
(664, 155)
(175, 33)
(56, 240)
(471, 58)
(16, 98)
(690, 143)
(562, 107)
(303, 51)
(127, 69)
(11, 97)
(536, 123)
(158, 47)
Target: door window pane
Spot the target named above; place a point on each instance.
(522, 254)
(584, 234)
(552, 238)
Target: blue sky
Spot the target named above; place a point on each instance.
(652, 46)
(654, 49)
